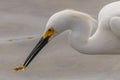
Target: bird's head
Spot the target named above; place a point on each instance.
(60, 21)
(55, 25)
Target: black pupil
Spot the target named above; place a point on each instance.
(49, 30)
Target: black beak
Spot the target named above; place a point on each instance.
(35, 51)
(43, 41)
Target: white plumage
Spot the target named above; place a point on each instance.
(88, 35)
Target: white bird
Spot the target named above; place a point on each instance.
(86, 34)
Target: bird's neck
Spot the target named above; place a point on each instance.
(81, 32)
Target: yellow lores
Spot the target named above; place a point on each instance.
(49, 32)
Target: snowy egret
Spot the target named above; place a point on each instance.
(85, 36)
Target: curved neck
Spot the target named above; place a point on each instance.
(82, 30)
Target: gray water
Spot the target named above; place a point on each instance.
(21, 24)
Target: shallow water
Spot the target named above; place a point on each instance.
(21, 24)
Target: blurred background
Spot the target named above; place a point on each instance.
(21, 24)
